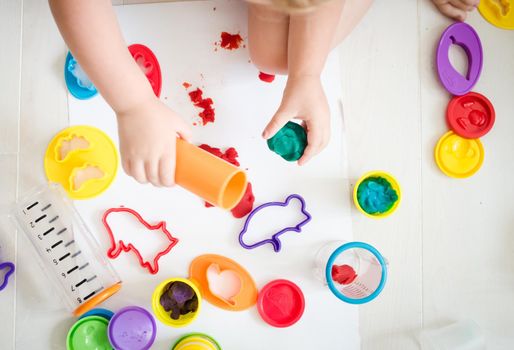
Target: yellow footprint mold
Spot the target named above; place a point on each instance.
(458, 157)
(83, 159)
(499, 13)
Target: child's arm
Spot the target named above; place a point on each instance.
(310, 38)
(456, 9)
(147, 128)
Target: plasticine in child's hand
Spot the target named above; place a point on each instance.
(289, 142)
(376, 195)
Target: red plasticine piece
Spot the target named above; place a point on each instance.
(186, 85)
(230, 41)
(246, 204)
(343, 274)
(265, 77)
(230, 155)
(207, 114)
(115, 250)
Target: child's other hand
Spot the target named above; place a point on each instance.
(456, 9)
(148, 134)
(304, 99)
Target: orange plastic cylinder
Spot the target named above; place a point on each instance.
(209, 177)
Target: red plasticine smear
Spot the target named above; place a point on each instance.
(230, 41)
(230, 155)
(186, 85)
(343, 274)
(207, 114)
(265, 77)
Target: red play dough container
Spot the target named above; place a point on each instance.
(471, 115)
(281, 303)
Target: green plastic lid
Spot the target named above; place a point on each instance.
(89, 333)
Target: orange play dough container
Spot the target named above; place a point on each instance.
(242, 300)
(211, 178)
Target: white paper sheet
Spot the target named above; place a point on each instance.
(182, 36)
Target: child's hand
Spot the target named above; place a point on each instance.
(148, 134)
(456, 9)
(304, 99)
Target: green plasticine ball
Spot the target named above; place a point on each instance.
(376, 195)
(289, 142)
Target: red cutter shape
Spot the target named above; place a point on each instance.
(115, 250)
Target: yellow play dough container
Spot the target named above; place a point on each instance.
(499, 13)
(83, 160)
(394, 184)
(196, 341)
(163, 315)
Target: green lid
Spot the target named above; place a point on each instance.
(289, 142)
(89, 333)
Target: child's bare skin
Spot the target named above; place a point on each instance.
(456, 9)
(297, 44)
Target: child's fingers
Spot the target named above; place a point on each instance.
(462, 5)
(137, 170)
(277, 122)
(184, 131)
(152, 172)
(453, 12)
(167, 171)
(314, 143)
(125, 163)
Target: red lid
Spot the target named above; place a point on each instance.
(470, 115)
(148, 63)
(281, 303)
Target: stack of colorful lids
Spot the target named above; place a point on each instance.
(131, 328)
(470, 115)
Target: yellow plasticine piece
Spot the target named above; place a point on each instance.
(498, 12)
(62, 167)
(80, 176)
(66, 146)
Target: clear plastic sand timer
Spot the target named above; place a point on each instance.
(68, 252)
(355, 272)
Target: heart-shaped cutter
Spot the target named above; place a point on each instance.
(244, 299)
(228, 280)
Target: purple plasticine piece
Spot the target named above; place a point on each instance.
(10, 270)
(132, 328)
(274, 240)
(465, 36)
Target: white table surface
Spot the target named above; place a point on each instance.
(450, 244)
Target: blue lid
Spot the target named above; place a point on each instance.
(333, 257)
(72, 82)
(107, 314)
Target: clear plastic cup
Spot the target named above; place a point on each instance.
(355, 272)
(461, 335)
(68, 252)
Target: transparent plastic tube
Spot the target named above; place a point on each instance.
(68, 252)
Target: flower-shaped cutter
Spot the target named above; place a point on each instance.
(274, 240)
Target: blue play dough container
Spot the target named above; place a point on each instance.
(366, 261)
(107, 314)
(72, 85)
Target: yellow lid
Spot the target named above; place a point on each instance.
(163, 315)
(499, 13)
(458, 157)
(83, 159)
(196, 341)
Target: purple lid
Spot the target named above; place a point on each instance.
(465, 36)
(132, 328)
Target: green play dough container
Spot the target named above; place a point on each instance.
(289, 142)
(89, 333)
